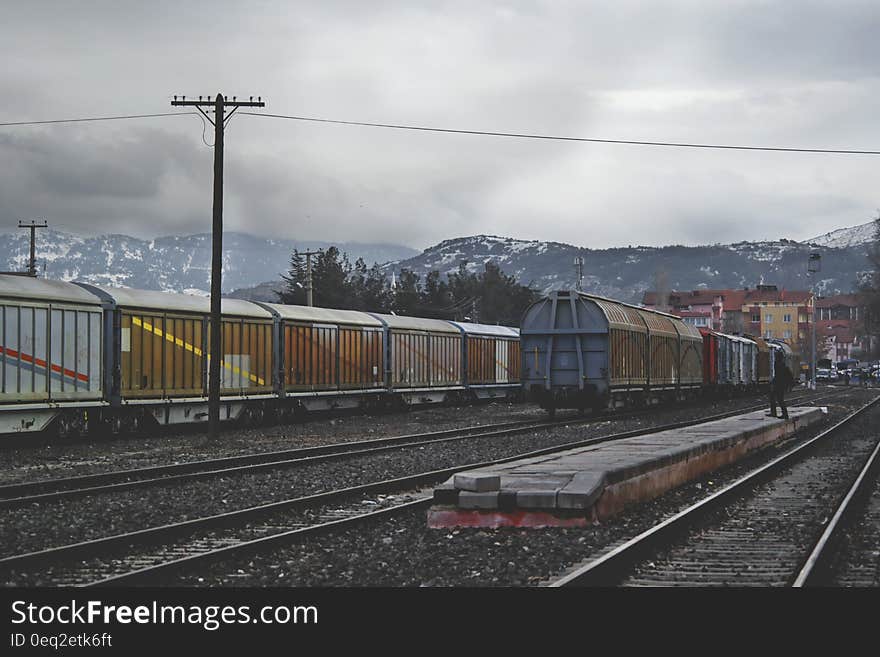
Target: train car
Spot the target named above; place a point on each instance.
(328, 358)
(792, 358)
(491, 360)
(83, 356)
(159, 352)
(711, 358)
(691, 356)
(584, 351)
(423, 359)
(51, 339)
(730, 362)
(763, 362)
(748, 365)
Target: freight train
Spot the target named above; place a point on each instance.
(583, 351)
(80, 358)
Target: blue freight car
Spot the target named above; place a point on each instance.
(584, 351)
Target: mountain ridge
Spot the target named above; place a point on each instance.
(174, 263)
(252, 266)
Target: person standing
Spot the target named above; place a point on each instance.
(782, 381)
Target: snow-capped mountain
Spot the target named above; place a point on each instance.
(252, 265)
(846, 237)
(174, 264)
(626, 273)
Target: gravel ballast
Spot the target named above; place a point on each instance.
(46, 525)
(402, 551)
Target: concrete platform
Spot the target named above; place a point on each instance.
(575, 487)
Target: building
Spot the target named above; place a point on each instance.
(695, 306)
(698, 318)
(839, 341)
(842, 321)
(782, 314)
(764, 311)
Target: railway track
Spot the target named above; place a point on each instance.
(143, 555)
(50, 490)
(770, 527)
(848, 552)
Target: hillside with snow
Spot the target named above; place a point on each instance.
(174, 264)
(253, 266)
(843, 238)
(626, 273)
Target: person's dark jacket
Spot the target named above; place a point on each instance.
(783, 378)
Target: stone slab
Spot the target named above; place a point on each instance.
(582, 491)
(600, 479)
(477, 482)
(536, 499)
(485, 500)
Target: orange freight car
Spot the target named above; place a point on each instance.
(424, 355)
(164, 346)
(323, 349)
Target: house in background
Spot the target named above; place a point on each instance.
(693, 306)
(764, 311)
(843, 317)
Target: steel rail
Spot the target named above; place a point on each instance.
(153, 534)
(142, 574)
(15, 495)
(808, 575)
(606, 569)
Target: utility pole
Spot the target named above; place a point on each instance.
(814, 266)
(220, 103)
(32, 263)
(310, 299)
(579, 268)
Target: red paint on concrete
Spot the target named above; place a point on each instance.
(440, 518)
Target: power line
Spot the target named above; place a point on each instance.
(487, 133)
(96, 118)
(517, 135)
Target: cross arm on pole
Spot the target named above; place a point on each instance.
(218, 106)
(210, 103)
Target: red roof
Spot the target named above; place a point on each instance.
(776, 296)
(849, 300)
(730, 298)
(842, 334)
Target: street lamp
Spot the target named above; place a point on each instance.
(814, 266)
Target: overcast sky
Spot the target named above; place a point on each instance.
(795, 73)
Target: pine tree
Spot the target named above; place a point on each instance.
(408, 294)
(294, 290)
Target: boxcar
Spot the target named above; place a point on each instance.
(763, 362)
(51, 341)
(423, 358)
(161, 352)
(711, 357)
(492, 359)
(583, 351)
(326, 356)
(748, 359)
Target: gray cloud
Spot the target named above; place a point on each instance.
(779, 73)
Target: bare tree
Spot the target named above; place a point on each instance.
(661, 287)
(870, 287)
(732, 322)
